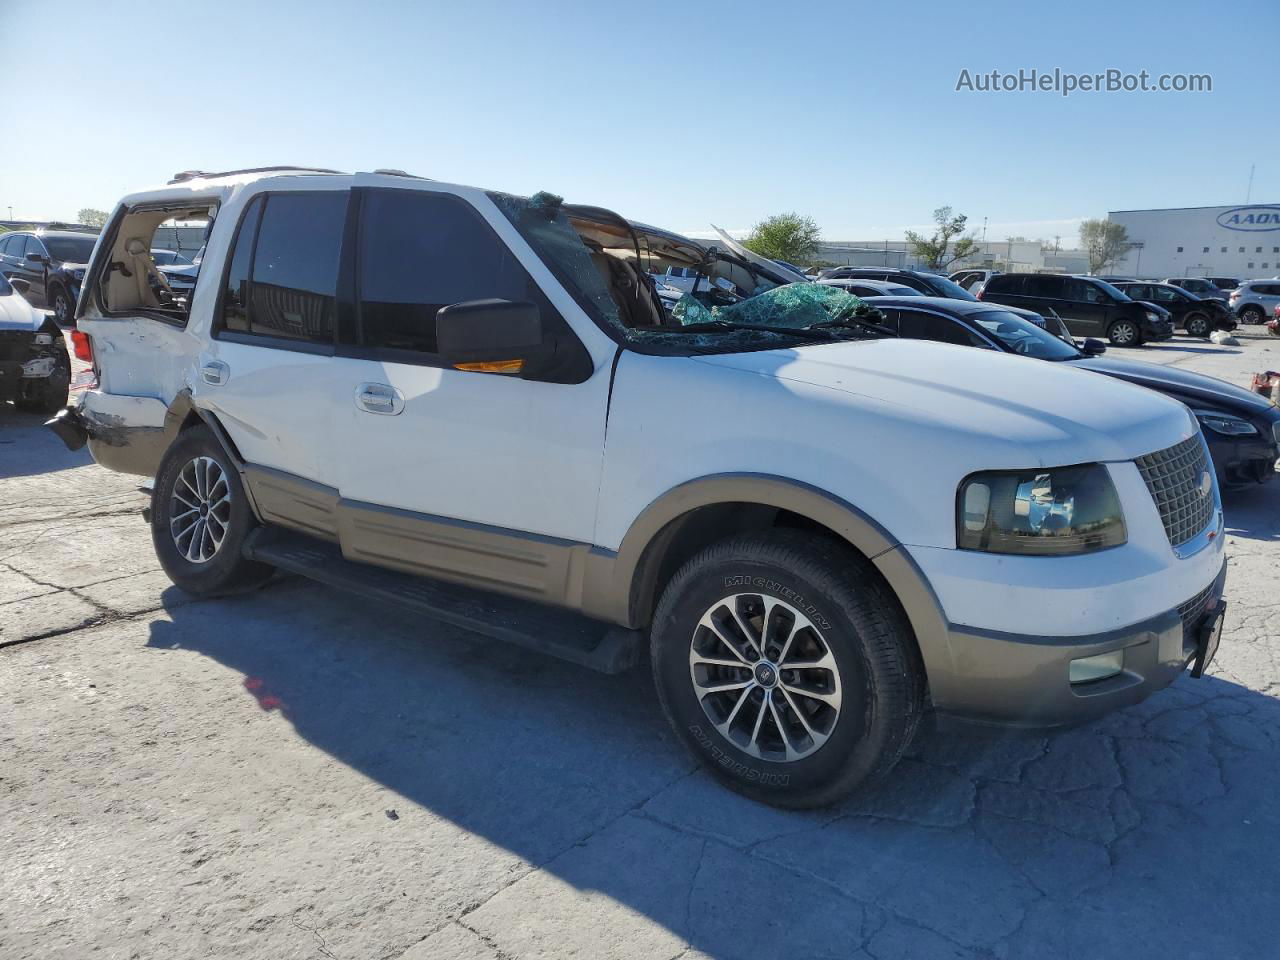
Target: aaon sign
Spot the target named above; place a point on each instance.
(1251, 218)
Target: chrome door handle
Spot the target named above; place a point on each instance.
(379, 398)
(215, 372)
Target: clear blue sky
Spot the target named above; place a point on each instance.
(676, 114)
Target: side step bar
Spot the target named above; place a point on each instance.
(550, 630)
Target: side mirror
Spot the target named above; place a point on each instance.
(1093, 347)
(490, 336)
(22, 286)
(35, 258)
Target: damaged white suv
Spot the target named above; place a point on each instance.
(474, 404)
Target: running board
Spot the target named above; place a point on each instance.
(550, 630)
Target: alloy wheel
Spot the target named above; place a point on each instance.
(1124, 334)
(61, 308)
(200, 509)
(765, 677)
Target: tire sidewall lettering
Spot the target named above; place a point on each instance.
(782, 592)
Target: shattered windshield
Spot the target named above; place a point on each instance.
(711, 319)
(792, 307)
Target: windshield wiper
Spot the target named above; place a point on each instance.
(851, 323)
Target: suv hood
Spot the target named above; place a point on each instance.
(1009, 411)
(1194, 386)
(17, 314)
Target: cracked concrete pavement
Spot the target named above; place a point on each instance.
(295, 773)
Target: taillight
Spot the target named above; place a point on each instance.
(1234, 295)
(82, 346)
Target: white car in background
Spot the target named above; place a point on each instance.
(873, 288)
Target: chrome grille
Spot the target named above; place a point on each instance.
(1192, 612)
(1174, 477)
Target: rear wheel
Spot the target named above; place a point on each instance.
(1124, 333)
(1197, 325)
(1251, 314)
(200, 517)
(786, 666)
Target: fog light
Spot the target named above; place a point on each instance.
(1104, 665)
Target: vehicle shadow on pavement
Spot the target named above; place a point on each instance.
(1089, 842)
(27, 450)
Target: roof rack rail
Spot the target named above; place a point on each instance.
(390, 172)
(186, 175)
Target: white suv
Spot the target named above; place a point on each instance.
(1255, 300)
(472, 403)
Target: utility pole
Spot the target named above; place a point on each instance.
(1249, 192)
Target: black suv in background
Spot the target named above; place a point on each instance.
(52, 261)
(1089, 306)
(1198, 317)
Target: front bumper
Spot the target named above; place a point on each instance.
(1024, 679)
(1242, 460)
(1161, 330)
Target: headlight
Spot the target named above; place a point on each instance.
(1153, 317)
(1225, 425)
(1042, 512)
(43, 339)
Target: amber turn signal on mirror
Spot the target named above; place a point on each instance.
(492, 366)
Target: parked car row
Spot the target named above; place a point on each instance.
(820, 524)
(1128, 314)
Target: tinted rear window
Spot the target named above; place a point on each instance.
(292, 287)
(1003, 283)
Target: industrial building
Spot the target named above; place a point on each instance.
(1230, 241)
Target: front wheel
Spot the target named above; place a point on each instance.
(1251, 314)
(1124, 333)
(200, 517)
(63, 307)
(786, 666)
(1197, 325)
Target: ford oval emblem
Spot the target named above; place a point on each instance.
(1251, 219)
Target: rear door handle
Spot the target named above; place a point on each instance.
(215, 372)
(379, 398)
